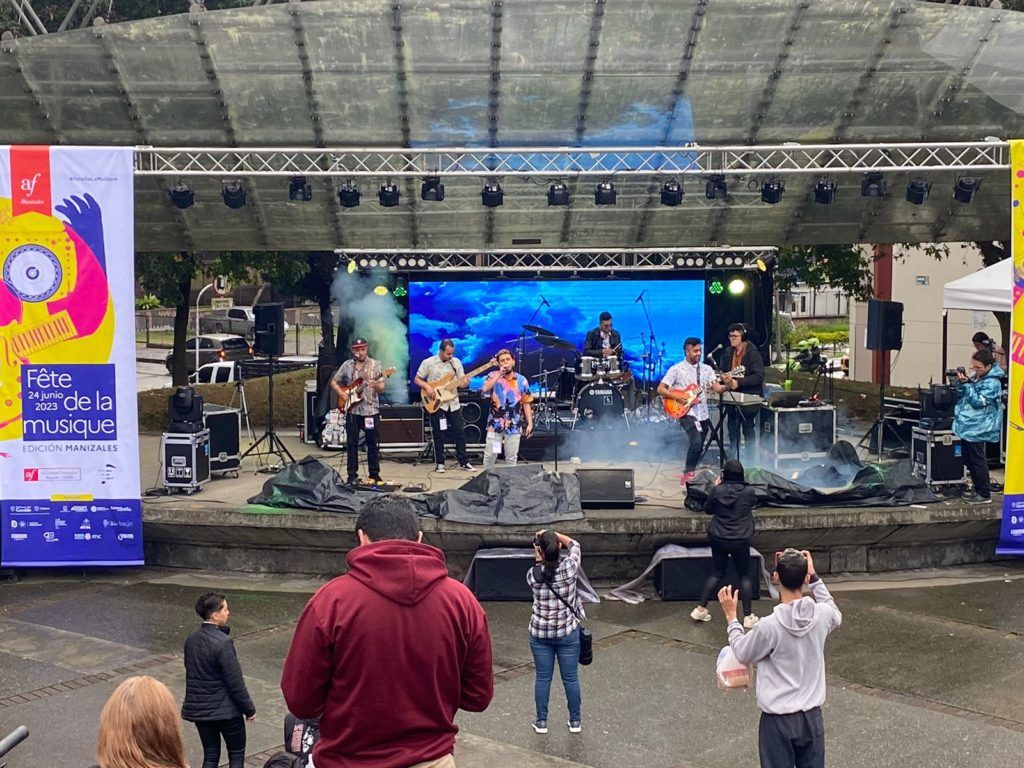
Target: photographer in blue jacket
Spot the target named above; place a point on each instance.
(978, 417)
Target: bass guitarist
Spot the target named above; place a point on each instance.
(688, 382)
(446, 420)
(365, 414)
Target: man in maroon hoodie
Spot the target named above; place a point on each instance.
(387, 653)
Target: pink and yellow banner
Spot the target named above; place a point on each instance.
(1011, 535)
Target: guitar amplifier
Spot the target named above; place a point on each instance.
(401, 424)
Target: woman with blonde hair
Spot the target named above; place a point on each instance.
(139, 727)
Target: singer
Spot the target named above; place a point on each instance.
(603, 341)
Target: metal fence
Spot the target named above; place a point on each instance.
(155, 328)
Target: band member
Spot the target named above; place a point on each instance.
(364, 415)
(695, 423)
(447, 420)
(510, 411)
(742, 417)
(603, 341)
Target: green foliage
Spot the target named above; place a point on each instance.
(149, 301)
(163, 274)
(846, 267)
(827, 336)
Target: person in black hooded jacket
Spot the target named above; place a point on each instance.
(731, 503)
(215, 694)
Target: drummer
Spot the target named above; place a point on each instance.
(603, 341)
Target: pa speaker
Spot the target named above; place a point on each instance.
(682, 578)
(494, 577)
(885, 324)
(269, 329)
(606, 488)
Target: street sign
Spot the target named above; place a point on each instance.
(221, 285)
(222, 303)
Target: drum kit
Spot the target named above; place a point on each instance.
(595, 388)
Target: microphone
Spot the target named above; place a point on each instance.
(720, 346)
(544, 301)
(640, 296)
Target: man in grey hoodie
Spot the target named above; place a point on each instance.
(789, 649)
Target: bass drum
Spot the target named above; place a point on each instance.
(598, 406)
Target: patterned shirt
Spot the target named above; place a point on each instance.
(433, 368)
(551, 617)
(509, 395)
(371, 369)
(683, 374)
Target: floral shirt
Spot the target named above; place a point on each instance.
(509, 395)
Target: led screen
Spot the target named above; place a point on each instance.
(482, 317)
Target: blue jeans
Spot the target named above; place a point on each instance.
(544, 651)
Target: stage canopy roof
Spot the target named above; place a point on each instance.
(988, 289)
(548, 73)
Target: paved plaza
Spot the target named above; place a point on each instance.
(926, 671)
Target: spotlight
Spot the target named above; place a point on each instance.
(181, 196)
(737, 286)
(492, 195)
(825, 192)
(558, 194)
(716, 187)
(672, 193)
(966, 188)
(381, 290)
(432, 190)
(918, 190)
(348, 195)
(351, 266)
(764, 263)
(771, 191)
(388, 195)
(233, 194)
(299, 189)
(604, 193)
(872, 184)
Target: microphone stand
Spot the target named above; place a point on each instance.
(521, 343)
(649, 365)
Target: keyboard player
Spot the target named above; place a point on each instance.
(742, 418)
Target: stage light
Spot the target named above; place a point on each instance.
(558, 194)
(388, 195)
(348, 195)
(181, 196)
(764, 263)
(233, 194)
(918, 190)
(825, 191)
(672, 193)
(771, 191)
(872, 184)
(716, 187)
(492, 195)
(400, 291)
(381, 290)
(351, 266)
(604, 193)
(715, 287)
(432, 190)
(299, 189)
(737, 286)
(966, 188)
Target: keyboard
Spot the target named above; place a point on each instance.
(736, 398)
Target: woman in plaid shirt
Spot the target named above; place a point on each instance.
(555, 623)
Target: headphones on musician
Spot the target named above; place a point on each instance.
(741, 328)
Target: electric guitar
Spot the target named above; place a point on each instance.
(691, 394)
(353, 393)
(446, 388)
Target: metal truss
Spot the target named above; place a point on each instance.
(554, 162)
(79, 15)
(558, 260)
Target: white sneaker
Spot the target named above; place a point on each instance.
(439, 468)
(750, 620)
(469, 467)
(700, 614)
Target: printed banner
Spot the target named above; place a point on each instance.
(1011, 533)
(69, 444)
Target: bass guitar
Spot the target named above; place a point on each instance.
(353, 393)
(446, 388)
(676, 409)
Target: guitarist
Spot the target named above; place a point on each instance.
(447, 419)
(742, 417)
(691, 371)
(365, 414)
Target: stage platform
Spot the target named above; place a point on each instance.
(216, 528)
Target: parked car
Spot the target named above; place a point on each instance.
(240, 320)
(213, 348)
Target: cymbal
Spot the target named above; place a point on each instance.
(538, 330)
(550, 340)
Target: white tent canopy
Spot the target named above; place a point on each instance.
(987, 289)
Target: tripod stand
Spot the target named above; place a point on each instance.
(243, 406)
(272, 445)
(879, 427)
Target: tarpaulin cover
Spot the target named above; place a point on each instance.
(525, 495)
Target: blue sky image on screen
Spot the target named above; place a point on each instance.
(482, 317)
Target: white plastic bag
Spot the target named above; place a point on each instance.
(730, 674)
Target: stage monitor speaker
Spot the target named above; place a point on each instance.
(269, 329)
(502, 578)
(682, 578)
(604, 488)
(885, 324)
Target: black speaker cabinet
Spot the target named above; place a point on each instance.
(885, 324)
(502, 578)
(224, 424)
(475, 411)
(682, 578)
(400, 424)
(606, 488)
(269, 328)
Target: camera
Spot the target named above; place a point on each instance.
(952, 372)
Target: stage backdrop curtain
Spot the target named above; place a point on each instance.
(1011, 534)
(69, 448)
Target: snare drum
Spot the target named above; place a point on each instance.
(588, 369)
(599, 405)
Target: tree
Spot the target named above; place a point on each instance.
(168, 276)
